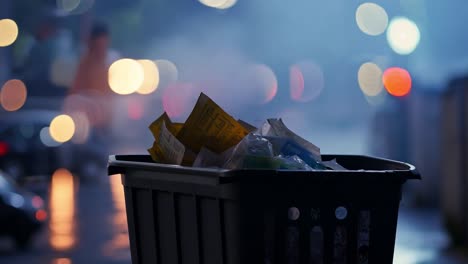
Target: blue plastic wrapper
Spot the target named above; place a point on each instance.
(289, 147)
(259, 152)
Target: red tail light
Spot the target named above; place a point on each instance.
(41, 215)
(3, 148)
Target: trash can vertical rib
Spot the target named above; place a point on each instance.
(132, 227)
(463, 108)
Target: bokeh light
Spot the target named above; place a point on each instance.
(62, 210)
(397, 81)
(403, 35)
(41, 215)
(125, 76)
(262, 83)
(74, 6)
(296, 82)
(13, 95)
(371, 19)
(82, 127)
(370, 79)
(306, 80)
(68, 5)
(168, 72)
(46, 139)
(219, 4)
(227, 4)
(8, 32)
(151, 77)
(62, 128)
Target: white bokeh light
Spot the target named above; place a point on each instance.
(219, 4)
(74, 6)
(168, 72)
(370, 79)
(68, 5)
(371, 19)
(126, 76)
(403, 35)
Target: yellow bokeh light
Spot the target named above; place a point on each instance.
(371, 18)
(126, 76)
(8, 32)
(62, 210)
(13, 95)
(62, 128)
(370, 79)
(219, 4)
(151, 77)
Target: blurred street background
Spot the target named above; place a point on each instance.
(82, 79)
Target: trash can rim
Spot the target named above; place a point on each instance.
(118, 164)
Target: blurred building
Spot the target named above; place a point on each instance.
(454, 158)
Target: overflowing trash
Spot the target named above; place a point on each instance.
(211, 138)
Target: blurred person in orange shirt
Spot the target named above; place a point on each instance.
(90, 104)
(90, 93)
(91, 76)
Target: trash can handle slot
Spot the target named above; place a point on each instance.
(112, 170)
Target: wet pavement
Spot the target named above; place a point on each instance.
(88, 225)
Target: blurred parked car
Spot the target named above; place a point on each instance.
(21, 213)
(26, 149)
(21, 150)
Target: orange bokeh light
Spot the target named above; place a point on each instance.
(13, 95)
(397, 81)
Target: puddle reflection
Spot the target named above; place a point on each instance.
(62, 261)
(62, 212)
(118, 246)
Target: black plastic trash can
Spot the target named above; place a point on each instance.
(192, 215)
